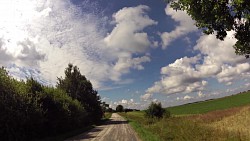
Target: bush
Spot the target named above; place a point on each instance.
(155, 110)
(119, 108)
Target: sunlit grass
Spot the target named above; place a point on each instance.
(239, 124)
(212, 105)
(221, 125)
(138, 122)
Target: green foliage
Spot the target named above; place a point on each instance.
(33, 86)
(19, 111)
(31, 111)
(207, 106)
(155, 110)
(61, 111)
(78, 87)
(119, 108)
(219, 17)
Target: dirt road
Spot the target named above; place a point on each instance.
(117, 129)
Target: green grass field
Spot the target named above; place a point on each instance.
(212, 105)
(223, 119)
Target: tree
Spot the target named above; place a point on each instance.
(33, 86)
(78, 87)
(220, 16)
(119, 108)
(155, 110)
(105, 107)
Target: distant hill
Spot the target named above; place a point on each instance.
(212, 104)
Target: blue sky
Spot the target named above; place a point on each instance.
(133, 52)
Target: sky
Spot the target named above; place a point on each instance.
(133, 51)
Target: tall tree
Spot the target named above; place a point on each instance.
(78, 87)
(220, 16)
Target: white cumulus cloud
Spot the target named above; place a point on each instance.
(41, 37)
(216, 60)
(185, 26)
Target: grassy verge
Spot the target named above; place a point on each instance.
(107, 115)
(212, 105)
(220, 125)
(134, 121)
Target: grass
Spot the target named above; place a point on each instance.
(135, 121)
(224, 119)
(107, 115)
(238, 123)
(212, 105)
(230, 124)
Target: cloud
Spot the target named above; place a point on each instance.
(220, 59)
(131, 104)
(127, 37)
(124, 64)
(29, 54)
(200, 94)
(185, 26)
(5, 57)
(179, 77)
(187, 97)
(216, 60)
(146, 97)
(47, 35)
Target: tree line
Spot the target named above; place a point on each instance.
(30, 110)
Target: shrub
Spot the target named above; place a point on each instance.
(155, 110)
(119, 108)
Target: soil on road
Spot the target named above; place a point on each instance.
(117, 129)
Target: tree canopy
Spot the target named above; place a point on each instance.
(119, 108)
(78, 87)
(220, 16)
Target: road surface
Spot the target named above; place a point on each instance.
(117, 129)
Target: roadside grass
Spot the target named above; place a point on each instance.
(107, 115)
(211, 105)
(137, 121)
(238, 124)
(228, 125)
(175, 128)
(224, 119)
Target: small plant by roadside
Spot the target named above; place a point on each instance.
(155, 111)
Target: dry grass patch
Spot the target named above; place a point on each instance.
(236, 125)
(216, 115)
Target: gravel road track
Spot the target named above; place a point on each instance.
(117, 129)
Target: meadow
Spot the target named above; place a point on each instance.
(224, 119)
(212, 105)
